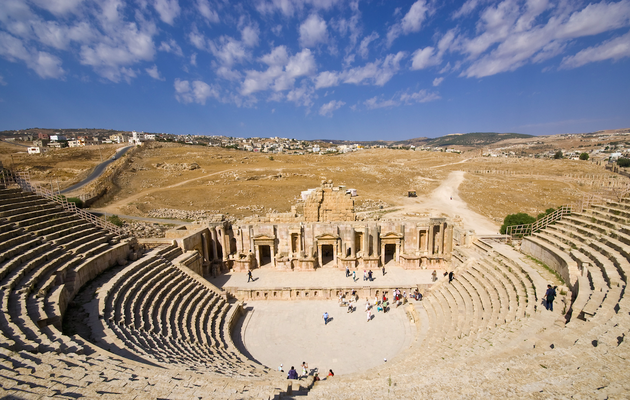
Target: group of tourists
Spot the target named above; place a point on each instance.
(293, 374)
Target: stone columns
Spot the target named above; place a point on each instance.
(430, 240)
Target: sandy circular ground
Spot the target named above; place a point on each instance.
(290, 332)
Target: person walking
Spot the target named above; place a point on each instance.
(304, 368)
(370, 275)
(347, 271)
(451, 276)
(434, 276)
(354, 276)
(383, 270)
(550, 295)
(325, 318)
(249, 276)
(369, 315)
(364, 275)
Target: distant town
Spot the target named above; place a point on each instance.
(602, 145)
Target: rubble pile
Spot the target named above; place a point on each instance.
(144, 230)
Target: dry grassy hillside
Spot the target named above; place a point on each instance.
(68, 166)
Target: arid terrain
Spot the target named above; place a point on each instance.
(237, 183)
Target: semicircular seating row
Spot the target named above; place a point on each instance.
(171, 320)
(488, 334)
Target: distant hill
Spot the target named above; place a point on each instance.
(474, 139)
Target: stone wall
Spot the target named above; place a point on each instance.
(329, 203)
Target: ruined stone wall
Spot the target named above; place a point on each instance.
(328, 203)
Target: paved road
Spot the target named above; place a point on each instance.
(100, 168)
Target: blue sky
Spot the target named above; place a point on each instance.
(356, 70)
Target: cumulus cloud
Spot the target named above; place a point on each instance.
(281, 73)
(327, 109)
(203, 6)
(195, 92)
(168, 10)
(43, 63)
(313, 31)
(289, 7)
(154, 73)
(510, 38)
(326, 79)
(249, 35)
(614, 49)
(411, 22)
(171, 46)
(58, 7)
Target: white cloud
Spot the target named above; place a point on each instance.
(363, 47)
(437, 81)
(197, 92)
(288, 7)
(327, 109)
(302, 96)
(154, 73)
(203, 6)
(467, 8)
(423, 58)
(171, 47)
(377, 72)
(44, 64)
(249, 35)
(168, 10)
(281, 73)
(326, 79)
(520, 41)
(374, 103)
(615, 49)
(422, 96)
(411, 22)
(313, 31)
(278, 56)
(58, 7)
(229, 51)
(2, 81)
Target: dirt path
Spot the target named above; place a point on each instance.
(439, 202)
(115, 207)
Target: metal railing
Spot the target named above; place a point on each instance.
(587, 201)
(23, 180)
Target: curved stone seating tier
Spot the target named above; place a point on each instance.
(163, 315)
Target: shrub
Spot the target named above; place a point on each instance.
(516, 219)
(558, 155)
(115, 220)
(77, 201)
(584, 156)
(623, 162)
(270, 158)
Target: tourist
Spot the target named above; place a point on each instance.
(304, 368)
(316, 377)
(292, 374)
(550, 295)
(330, 373)
(364, 275)
(434, 276)
(369, 315)
(367, 304)
(383, 270)
(350, 307)
(249, 276)
(325, 318)
(375, 300)
(354, 276)
(370, 275)
(451, 276)
(280, 368)
(347, 271)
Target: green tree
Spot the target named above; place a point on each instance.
(584, 156)
(516, 219)
(623, 162)
(558, 155)
(77, 201)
